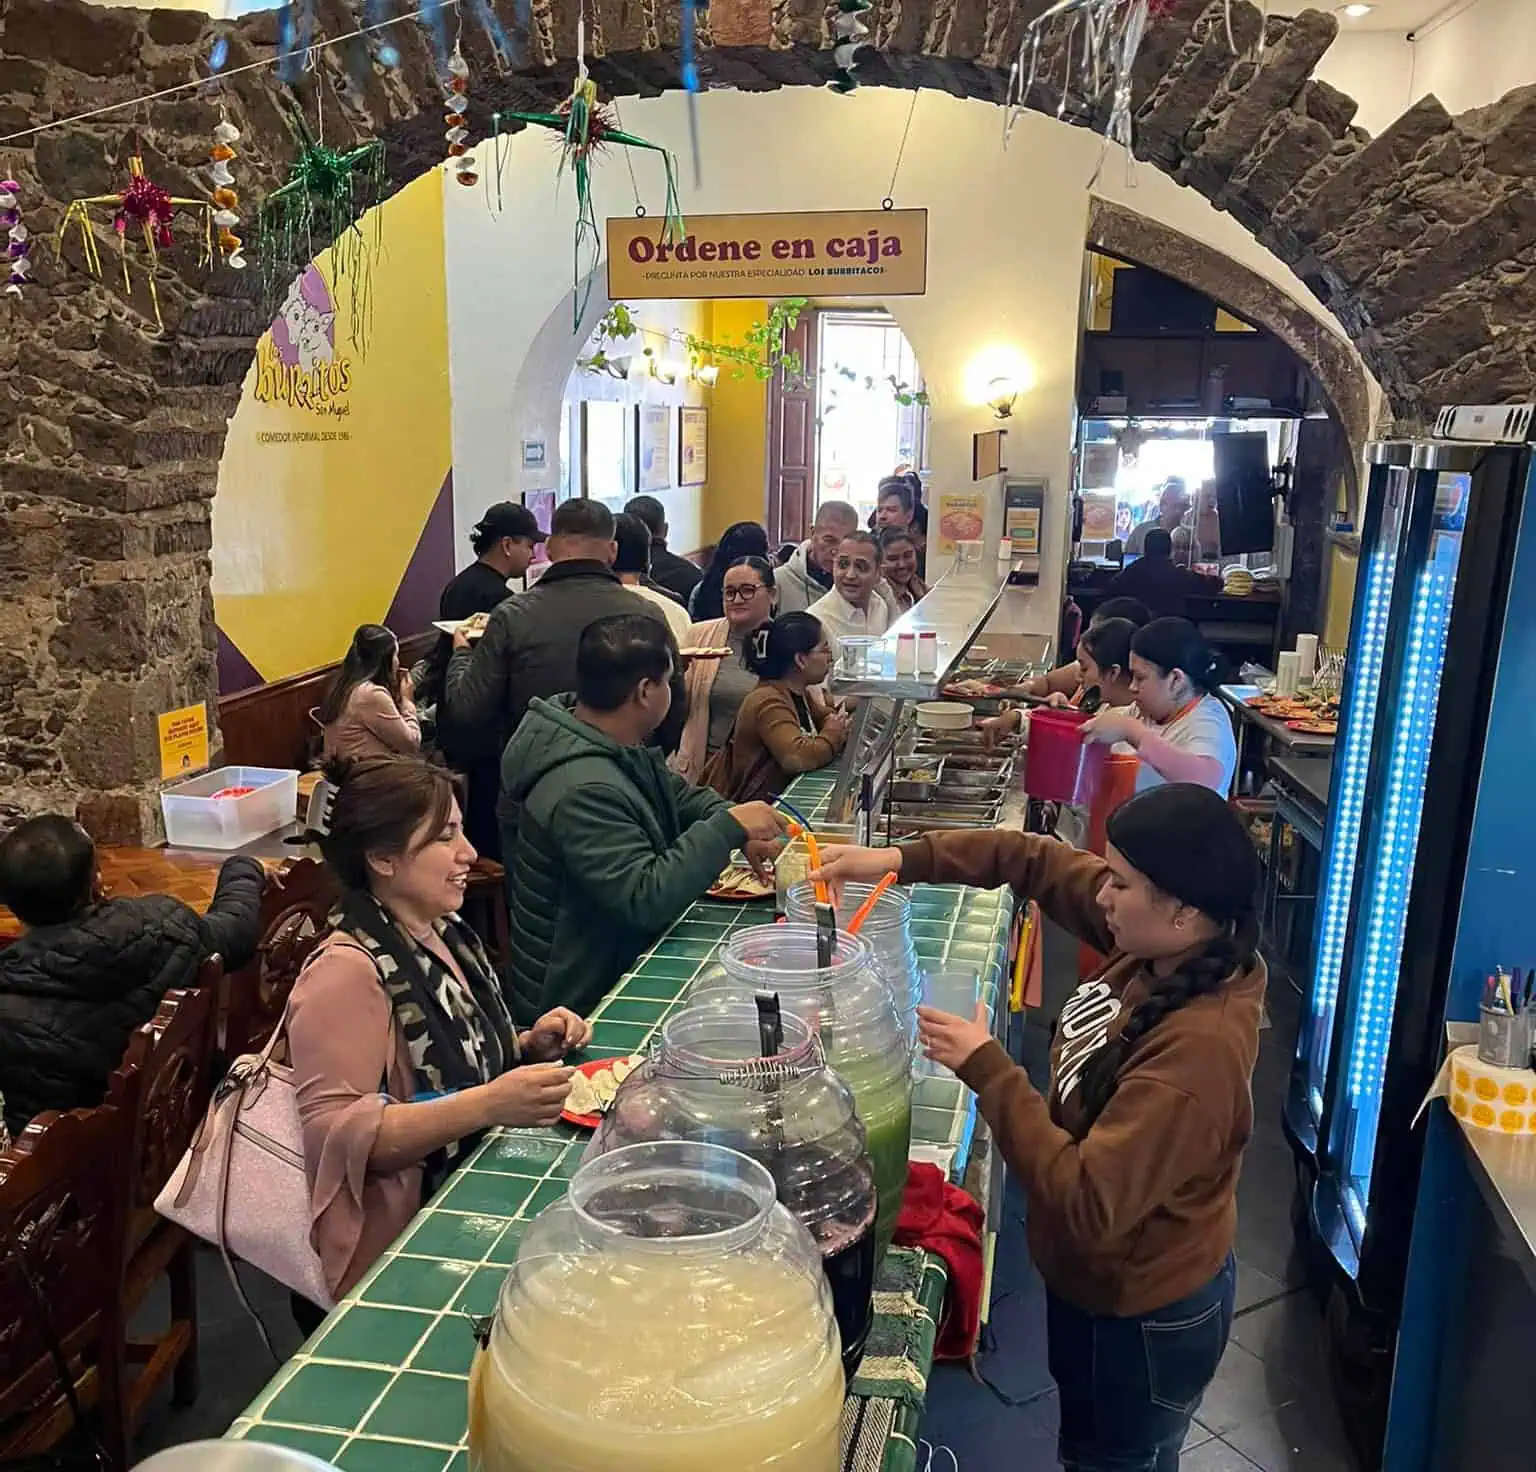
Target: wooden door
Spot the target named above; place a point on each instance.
(792, 440)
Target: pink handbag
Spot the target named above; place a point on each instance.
(241, 1185)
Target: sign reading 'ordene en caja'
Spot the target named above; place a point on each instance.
(833, 253)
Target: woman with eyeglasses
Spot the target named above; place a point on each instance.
(717, 687)
(785, 725)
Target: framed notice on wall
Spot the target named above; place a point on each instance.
(607, 446)
(653, 448)
(692, 446)
(1023, 512)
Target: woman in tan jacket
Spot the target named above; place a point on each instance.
(402, 1047)
(369, 709)
(785, 726)
(1131, 1157)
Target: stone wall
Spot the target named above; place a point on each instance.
(1422, 241)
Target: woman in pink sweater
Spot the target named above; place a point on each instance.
(369, 710)
(403, 1050)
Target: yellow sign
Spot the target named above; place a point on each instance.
(183, 741)
(827, 253)
(962, 518)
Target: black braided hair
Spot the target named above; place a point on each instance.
(1186, 842)
(1199, 976)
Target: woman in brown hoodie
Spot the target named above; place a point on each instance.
(1131, 1159)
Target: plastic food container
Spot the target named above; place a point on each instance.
(888, 929)
(708, 1078)
(196, 818)
(863, 1034)
(1059, 766)
(858, 655)
(944, 715)
(667, 1315)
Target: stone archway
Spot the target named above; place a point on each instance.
(1421, 241)
(1128, 236)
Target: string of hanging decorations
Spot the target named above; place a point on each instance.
(1099, 49)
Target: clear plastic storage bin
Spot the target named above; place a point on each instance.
(667, 1315)
(196, 817)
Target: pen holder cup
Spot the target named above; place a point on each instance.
(1503, 1038)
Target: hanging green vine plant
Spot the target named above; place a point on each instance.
(762, 351)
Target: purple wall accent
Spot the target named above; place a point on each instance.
(430, 568)
(236, 672)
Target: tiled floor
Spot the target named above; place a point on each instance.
(1270, 1408)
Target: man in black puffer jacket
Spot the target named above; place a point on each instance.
(87, 973)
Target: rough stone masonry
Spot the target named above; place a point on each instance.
(1422, 241)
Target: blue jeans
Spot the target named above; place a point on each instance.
(1129, 1387)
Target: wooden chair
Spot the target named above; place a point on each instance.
(485, 907)
(163, 1087)
(62, 1206)
(294, 920)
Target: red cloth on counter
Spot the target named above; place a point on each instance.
(939, 1216)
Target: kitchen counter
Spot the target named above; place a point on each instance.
(383, 1383)
(1504, 1167)
(1236, 697)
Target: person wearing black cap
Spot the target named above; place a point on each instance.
(529, 648)
(1131, 1158)
(504, 540)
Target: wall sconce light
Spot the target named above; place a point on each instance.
(1001, 395)
(705, 373)
(640, 366)
(663, 371)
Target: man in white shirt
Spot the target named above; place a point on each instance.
(633, 561)
(853, 606)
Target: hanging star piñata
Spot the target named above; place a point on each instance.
(143, 211)
(852, 37)
(587, 125)
(322, 204)
(18, 241)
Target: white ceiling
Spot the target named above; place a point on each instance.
(1388, 15)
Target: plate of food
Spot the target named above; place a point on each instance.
(472, 627)
(594, 1088)
(975, 689)
(1314, 727)
(738, 882)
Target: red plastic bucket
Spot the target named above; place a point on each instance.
(1059, 766)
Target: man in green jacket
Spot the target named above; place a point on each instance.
(604, 847)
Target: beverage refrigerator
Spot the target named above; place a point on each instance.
(1437, 551)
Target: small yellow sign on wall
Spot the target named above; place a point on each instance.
(817, 253)
(183, 741)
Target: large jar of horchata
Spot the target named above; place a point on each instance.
(668, 1315)
(714, 1076)
(849, 1006)
(887, 928)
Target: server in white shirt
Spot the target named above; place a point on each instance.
(1178, 727)
(854, 606)
(633, 561)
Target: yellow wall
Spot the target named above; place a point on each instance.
(1101, 278)
(320, 507)
(738, 430)
(1342, 569)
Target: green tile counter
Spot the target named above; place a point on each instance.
(383, 1384)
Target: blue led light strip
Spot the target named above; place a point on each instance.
(1349, 775)
(1395, 854)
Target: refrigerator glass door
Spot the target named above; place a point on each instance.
(1351, 764)
(1408, 720)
